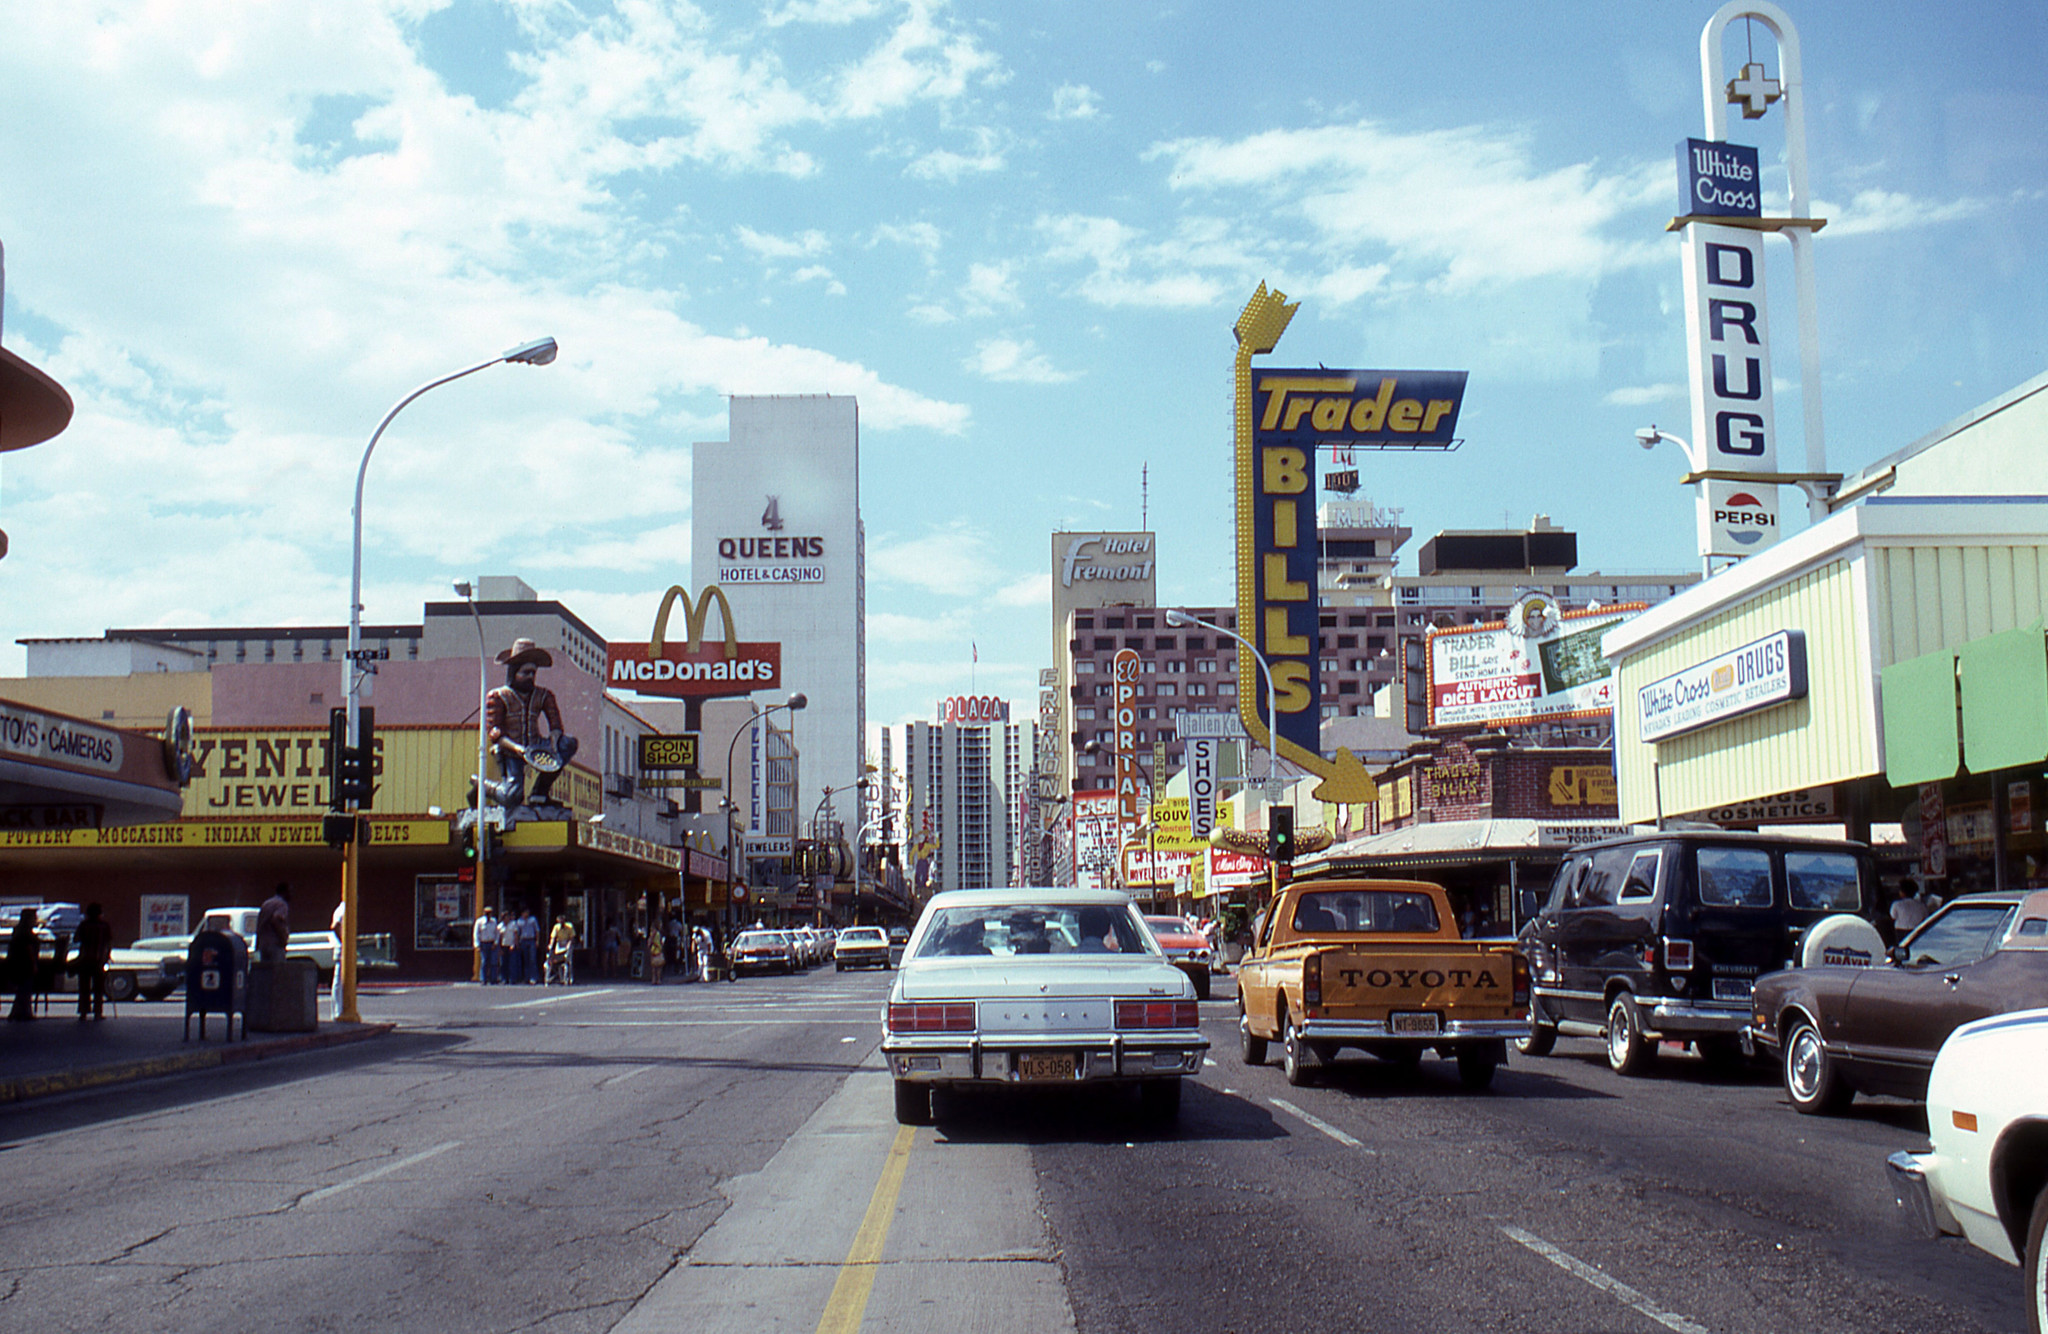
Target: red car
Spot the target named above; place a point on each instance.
(1186, 949)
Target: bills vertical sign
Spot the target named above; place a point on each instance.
(1733, 426)
(1125, 669)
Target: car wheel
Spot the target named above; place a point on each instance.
(1475, 1068)
(120, 986)
(1251, 1048)
(1297, 1062)
(1812, 1080)
(913, 1103)
(1542, 1037)
(1628, 1051)
(1159, 1101)
(1202, 987)
(2037, 1266)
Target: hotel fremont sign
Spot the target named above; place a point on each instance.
(694, 667)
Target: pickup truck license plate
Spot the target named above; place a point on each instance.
(1047, 1067)
(1424, 1024)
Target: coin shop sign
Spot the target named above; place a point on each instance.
(1759, 675)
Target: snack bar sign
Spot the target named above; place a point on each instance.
(1758, 675)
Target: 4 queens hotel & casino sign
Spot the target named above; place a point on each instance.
(771, 560)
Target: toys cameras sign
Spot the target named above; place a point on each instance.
(694, 668)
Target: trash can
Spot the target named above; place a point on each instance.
(216, 980)
(283, 997)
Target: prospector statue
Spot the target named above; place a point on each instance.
(526, 727)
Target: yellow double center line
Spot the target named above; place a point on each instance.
(849, 1303)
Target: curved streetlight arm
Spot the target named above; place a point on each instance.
(1176, 617)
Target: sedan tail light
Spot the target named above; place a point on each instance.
(1157, 1014)
(931, 1017)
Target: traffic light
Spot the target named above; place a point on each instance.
(349, 768)
(338, 830)
(1280, 832)
(469, 846)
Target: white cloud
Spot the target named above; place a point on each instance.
(835, 13)
(927, 312)
(1645, 395)
(921, 236)
(895, 628)
(943, 164)
(1006, 359)
(1127, 270)
(1075, 101)
(1872, 211)
(804, 246)
(990, 287)
(1033, 590)
(921, 60)
(951, 561)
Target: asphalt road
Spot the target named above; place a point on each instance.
(723, 1158)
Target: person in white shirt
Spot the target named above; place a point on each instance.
(488, 934)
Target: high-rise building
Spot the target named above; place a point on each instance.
(775, 523)
(966, 779)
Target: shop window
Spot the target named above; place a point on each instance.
(441, 916)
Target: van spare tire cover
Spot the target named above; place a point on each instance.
(1843, 939)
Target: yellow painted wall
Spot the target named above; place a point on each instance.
(141, 702)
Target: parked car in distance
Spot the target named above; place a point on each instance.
(1661, 935)
(1840, 1031)
(322, 947)
(1186, 949)
(763, 952)
(1038, 988)
(1985, 1177)
(899, 940)
(861, 947)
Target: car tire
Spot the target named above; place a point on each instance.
(120, 987)
(2037, 1266)
(913, 1103)
(1629, 1052)
(1251, 1048)
(1542, 1037)
(1475, 1069)
(1297, 1062)
(1201, 987)
(1812, 1080)
(1159, 1101)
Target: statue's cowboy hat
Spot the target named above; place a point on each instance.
(525, 650)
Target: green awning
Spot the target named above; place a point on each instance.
(2005, 699)
(1920, 740)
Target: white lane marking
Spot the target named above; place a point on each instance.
(552, 1000)
(385, 1170)
(1320, 1124)
(849, 1039)
(623, 1076)
(751, 1021)
(1622, 1292)
(1207, 1061)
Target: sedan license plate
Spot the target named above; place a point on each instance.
(1037, 1069)
(1732, 988)
(1424, 1024)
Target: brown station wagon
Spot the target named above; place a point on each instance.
(1840, 1031)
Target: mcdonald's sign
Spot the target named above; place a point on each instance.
(694, 668)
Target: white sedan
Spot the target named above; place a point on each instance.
(1986, 1177)
(1004, 988)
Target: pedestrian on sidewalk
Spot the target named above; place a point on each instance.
(274, 925)
(608, 951)
(529, 948)
(487, 933)
(22, 952)
(95, 943)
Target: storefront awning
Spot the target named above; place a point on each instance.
(1981, 707)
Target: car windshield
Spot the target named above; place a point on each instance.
(1961, 933)
(1365, 910)
(1068, 930)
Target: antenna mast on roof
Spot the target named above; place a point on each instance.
(1144, 493)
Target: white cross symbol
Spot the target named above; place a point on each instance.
(1753, 91)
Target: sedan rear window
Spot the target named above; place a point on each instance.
(1025, 928)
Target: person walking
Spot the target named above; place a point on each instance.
(608, 951)
(529, 947)
(274, 925)
(22, 952)
(486, 935)
(95, 943)
(561, 951)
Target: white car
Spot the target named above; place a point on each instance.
(1986, 1177)
(1004, 988)
(322, 947)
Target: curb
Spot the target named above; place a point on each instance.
(124, 1072)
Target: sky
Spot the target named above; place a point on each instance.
(1019, 234)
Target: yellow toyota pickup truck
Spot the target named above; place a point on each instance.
(1377, 965)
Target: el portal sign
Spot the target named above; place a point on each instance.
(1758, 675)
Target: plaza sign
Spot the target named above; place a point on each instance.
(1767, 672)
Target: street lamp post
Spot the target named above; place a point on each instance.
(795, 702)
(537, 353)
(467, 591)
(1181, 618)
(817, 822)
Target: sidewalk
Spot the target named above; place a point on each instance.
(58, 1052)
